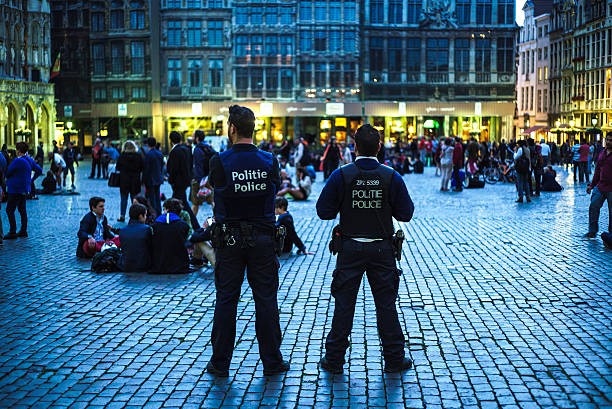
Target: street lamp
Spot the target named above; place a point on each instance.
(557, 123)
(69, 125)
(594, 122)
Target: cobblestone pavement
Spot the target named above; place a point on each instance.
(505, 305)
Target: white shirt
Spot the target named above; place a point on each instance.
(545, 149)
(59, 161)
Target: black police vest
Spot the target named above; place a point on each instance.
(366, 208)
(249, 193)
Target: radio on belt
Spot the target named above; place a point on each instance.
(251, 180)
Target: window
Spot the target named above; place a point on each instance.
(306, 41)
(242, 82)
(194, 33)
(334, 11)
(286, 17)
(305, 74)
(256, 15)
(334, 41)
(505, 12)
(483, 55)
(377, 14)
(138, 66)
(335, 74)
(137, 19)
(215, 70)
(349, 11)
(437, 55)
(539, 74)
(195, 72)
(118, 92)
(413, 55)
(215, 33)
(286, 45)
(215, 4)
(100, 94)
(174, 72)
(256, 45)
(116, 19)
(320, 11)
(57, 19)
(395, 11)
(242, 15)
(539, 54)
(286, 82)
(194, 4)
(271, 81)
(462, 10)
(97, 21)
(271, 45)
(271, 15)
(349, 74)
(73, 18)
(349, 42)
(98, 60)
(117, 57)
(242, 43)
(483, 11)
(306, 11)
(174, 4)
(414, 11)
(377, 50)
(394, 65)
(320, 41)
(174, 33)
(256, 82)
(462, 55)
(139, 93)
(505, 55)
(320, 74)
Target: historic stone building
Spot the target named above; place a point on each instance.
(27, 111)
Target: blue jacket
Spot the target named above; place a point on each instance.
(330, 200)
(153, 168)
(201, 161)
(136, 244)
(19, 175)
(3, 166)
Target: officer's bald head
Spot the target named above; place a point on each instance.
(243, 120)
(367, 140)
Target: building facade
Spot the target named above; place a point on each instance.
(27, 111)
(532, 85)
(581, 69)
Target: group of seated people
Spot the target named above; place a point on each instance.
(299, 192)
(161, 244)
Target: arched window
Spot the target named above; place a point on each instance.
(35, 34)
(137, 5)
(117, 4)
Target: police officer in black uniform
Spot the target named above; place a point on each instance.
(368, 196)
(245, 181)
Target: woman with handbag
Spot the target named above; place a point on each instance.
(130, 166)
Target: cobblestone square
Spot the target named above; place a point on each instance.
(504, 305)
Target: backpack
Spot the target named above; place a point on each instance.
(106, 261)
(522, 163)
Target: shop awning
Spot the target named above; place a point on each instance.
(528, 131)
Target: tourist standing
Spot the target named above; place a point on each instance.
(446, 163)
(179, 166)
(601, 188)
(457, 164)
(152, 176)
(130, 166)
(522, 165)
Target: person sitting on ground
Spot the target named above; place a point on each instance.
(549, 184)
(176, 206)
(58, 164)
(94, 230)
(201, 245)
(137, 240)
(49, 184)
(151, 214)
(418, 166)
(169, 236)
(302, 190)
(285, 219)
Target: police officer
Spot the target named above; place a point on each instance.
(245, 181)
(368, 196)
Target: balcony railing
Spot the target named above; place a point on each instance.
(437, 77)
(196, 90)
(217, 91)
(483, 77)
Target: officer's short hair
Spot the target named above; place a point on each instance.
(243, 119)
(151, 142)
(281, 203)
(136, 210)
(175, 137)
(367, 139)
(199, 135)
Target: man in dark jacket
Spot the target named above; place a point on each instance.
(201, 158)
(70, 157)
(152, 176)
(457, 164)
(179, 172)
(285, 219)
(137, 239)
(3, 167)
(40, 155)
(169, 237)
(94, 230)
(331, 158)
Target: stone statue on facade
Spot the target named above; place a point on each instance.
(439, 14)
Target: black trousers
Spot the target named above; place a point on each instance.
(152, 193)
(457, 178)
(95, 163)
(261, 267)
(376, 259)
(17, 201)
(179, 193)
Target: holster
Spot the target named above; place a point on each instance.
(335, 244)
(280, 232)
(398, 241)
(221, 236)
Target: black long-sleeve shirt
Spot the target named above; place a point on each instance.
(292, 237)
